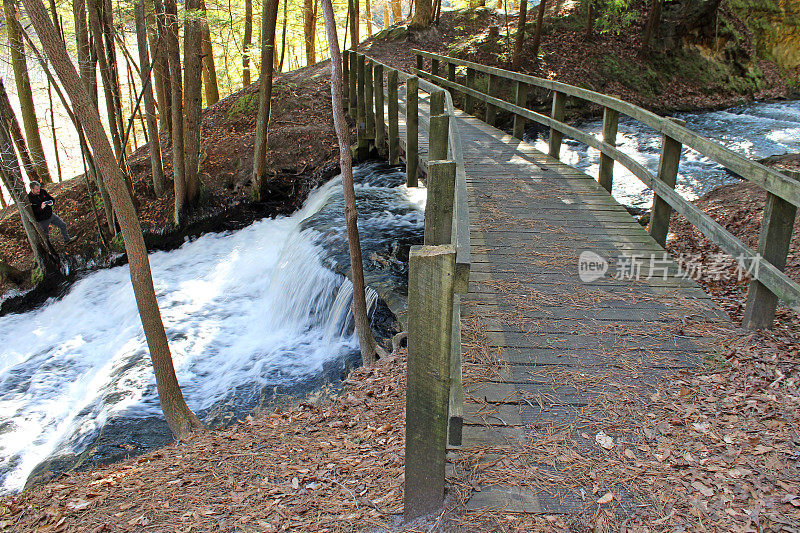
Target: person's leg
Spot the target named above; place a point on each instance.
(45, 225)
(61, 226)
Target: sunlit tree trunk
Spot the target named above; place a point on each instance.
(354, 25)
(310, 27)
(192, 94)
(387, 19)
(368, 6)
(520, 40)
(24, 94)
(180, 418)
(650, 27)
(209, 69)
(397, 11)
(96, 30)
(107, 23)
(537, 38)
(363, 329)
(423, 14)
(269, 21)
(86, 63)
(158, 49)
(247, 42)
(159, 181)
(283, 34)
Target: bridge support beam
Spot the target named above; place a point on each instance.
(369, 101)
(362, 149)
(412, 131)
(430, 327)
(667, 174)
(610, 125)
(353, 97)
(773, 246)
(520, 99)
(394, 134)
(557, 113)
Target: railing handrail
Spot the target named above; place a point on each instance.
(774, 182)
(456, 154)
(765, 177)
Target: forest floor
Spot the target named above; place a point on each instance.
(727, 453)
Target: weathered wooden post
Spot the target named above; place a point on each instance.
(773, 246)
(605, 176)
(412, 131)
(456, 409)
(362, 151)
(430, 317)
(439, 207)
(353, 97)
(435, 67)
(394, 133)
(419, 62)
(469, 101)
(557, 113)
(380, 125)
(437, 103)
(369, 101)
(521, 100)
(451, 72)
(492, 90)
(438, 135)
(667, 174)
(346, 81)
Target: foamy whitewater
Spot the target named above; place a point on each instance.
(244, 311)
(754, 130)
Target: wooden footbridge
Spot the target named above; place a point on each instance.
(537, 301)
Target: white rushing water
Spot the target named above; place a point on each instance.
(244, 311)
(754, 130)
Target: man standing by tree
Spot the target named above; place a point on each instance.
(41, 203)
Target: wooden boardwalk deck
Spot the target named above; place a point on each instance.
(549, 360)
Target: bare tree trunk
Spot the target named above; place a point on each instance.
(589, 19)
(180, 418)
(24, 94)
(269, 20)
(159, 181)
(158, 49)
(387, 20)
(192, 94)
(107, 24)
(537, 38)
(354, 26)
(653, 21)
(423, 14)
(520, 40)
(86, 65)
(309, 27)
(283, 36)
(209, 69)
(15, 134)
(53, 130)
(248, 40)
(368, 5)
(363, 330)
(175, 81)
(95, 27)
(397, 11)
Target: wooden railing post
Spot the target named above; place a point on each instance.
(346, 81)
(773, 246)
(667, 174)
(437, 103)
(439, 207)
(435, 67)
(469, 101)
(492, 90)
(557, 113)
(610, 125)
(520, 99)
(412, 131)
(380, 125)
(394, 133)
(419, 62)
(438, 136)
(362, 151)
(451, 72)
(353, 97)
(369, 101)
(456, 410)
(430, 316)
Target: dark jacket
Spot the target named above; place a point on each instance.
(39, 211)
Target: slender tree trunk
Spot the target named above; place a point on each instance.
(283, 34)
(537, 38)
(192, 94)
(53, 130)
(653, 21)
(363, 330)
(248, 40)
(96, 30)
(24, 94)
(309, 27)
(159, 181)
(368, 6)
(423, 14)
(354, 26)
(589, 19)
(175, 81)
(520, 37)
(209, 69)
(269, 20)
(15, 134)
(86, 66)
(180, 418)
(397, 11)
(107, 25)
(387, 20)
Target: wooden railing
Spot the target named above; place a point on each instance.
(438, 270)
(765, 266)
